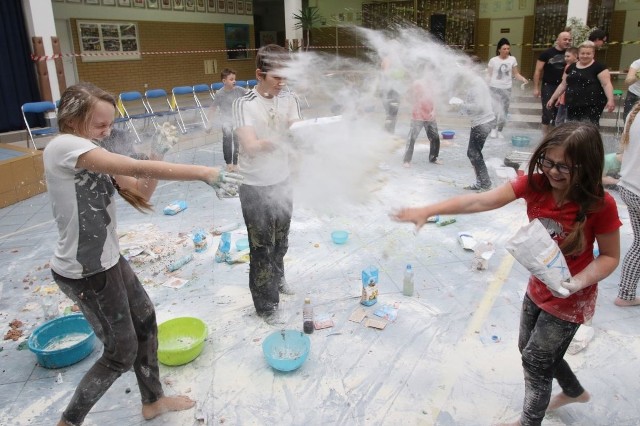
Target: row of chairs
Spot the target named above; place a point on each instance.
(151, 107)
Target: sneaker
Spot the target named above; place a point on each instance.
(493, 134)
(500, 135)
(285, 288)
(477, 187)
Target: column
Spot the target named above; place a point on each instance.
(292, 7)
(578, 9)
(40, 23)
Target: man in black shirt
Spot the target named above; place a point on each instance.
(549, 69)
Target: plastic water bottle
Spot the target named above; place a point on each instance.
(407, 282)
(307, 316)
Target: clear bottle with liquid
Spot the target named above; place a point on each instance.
(407, 282)
(307, 316)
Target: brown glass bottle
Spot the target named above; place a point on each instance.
(307, 316)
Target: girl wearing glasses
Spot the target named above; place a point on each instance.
(562, 189)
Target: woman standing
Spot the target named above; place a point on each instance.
(629, 185)
(588, 87)
(502, 68)
(633, 83)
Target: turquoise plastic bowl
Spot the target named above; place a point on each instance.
(242, 244)
(520, 140)
(62, 341)
(339, 237)
(181, 340)
(286, 350)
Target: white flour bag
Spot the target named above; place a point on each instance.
(534, 248)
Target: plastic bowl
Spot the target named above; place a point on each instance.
(242, 244)
(286, 350)
(448, 134)
(62, 341)
(181, 340)
(520, 140)
(339, 237)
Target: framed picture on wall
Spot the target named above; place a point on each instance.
(92, 1)
(211, 5)
(165, 4)
(108, 2)
(222, 7)
(200, 6)
(152, 4)
(240, 7)
(231, 6)
(138, 3)
(124, 3)
(248, 7)
(178, 5)
(189, 5)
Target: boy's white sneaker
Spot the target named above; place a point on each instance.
(493, 134)
(500, 135)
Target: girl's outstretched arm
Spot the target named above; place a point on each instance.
(469, 203)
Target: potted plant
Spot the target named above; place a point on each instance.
(306, 19)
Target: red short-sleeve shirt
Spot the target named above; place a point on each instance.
(559, 221)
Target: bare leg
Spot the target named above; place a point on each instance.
(622, 302)
(166, 404)
(563, 399)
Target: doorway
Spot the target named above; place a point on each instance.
(511, 29)
(68, 62)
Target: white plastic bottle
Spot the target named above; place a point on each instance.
(407, 282)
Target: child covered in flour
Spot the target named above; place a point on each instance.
(563, 190)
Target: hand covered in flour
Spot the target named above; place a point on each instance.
(226, 185)
(560, 290)
(165, 138)
(574, 285)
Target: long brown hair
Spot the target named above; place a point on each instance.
(583, 149)
(74, 115)
(627, 125)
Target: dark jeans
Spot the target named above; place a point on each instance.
(501, 102)
(267, 214)
(432, 133)
(122, 316)
(629, 102)
(477, 139)
(391, 106)
(230, 145)
(543, 341)
(548, 114)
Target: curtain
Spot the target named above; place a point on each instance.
(18, 84)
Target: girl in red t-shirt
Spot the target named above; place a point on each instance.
(563, 189)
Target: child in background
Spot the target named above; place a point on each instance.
(82, 179)
(570, 57)
(564, 191)
(611, 172)
(423, 115)
(222, 103)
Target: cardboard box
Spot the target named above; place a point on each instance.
(21, 176)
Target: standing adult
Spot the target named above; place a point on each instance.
(502, 68)
(262, 118)
(629, 186)
(588, 87)
(598, 37)
(548, 75)
(633, 83)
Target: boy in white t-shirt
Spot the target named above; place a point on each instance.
(502, 68)
(262, 119)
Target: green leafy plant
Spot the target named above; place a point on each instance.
(306, 19)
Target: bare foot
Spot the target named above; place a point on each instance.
(563, 399)
(62, 422)
(437, 161)
(166, 404)
(622, 302)
(406, 165)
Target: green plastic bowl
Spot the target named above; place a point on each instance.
(181, 340)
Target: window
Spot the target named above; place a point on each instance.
(108, 41)
(237, 40)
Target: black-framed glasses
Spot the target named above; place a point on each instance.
(560, 167)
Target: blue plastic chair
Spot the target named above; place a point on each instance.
(242, 83)
(131, 105)
(216, 86)
(184, 99)
(251, 84)
(158, 103)
(38, 108)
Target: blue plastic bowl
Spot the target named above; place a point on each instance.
(242, 244)
(339, 237)
(520, 140)
(448, 134)
(62, 341)
(286, 350)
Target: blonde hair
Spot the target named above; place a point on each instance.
(587, 45)
(74, 115)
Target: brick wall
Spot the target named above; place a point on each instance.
(166, 71)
